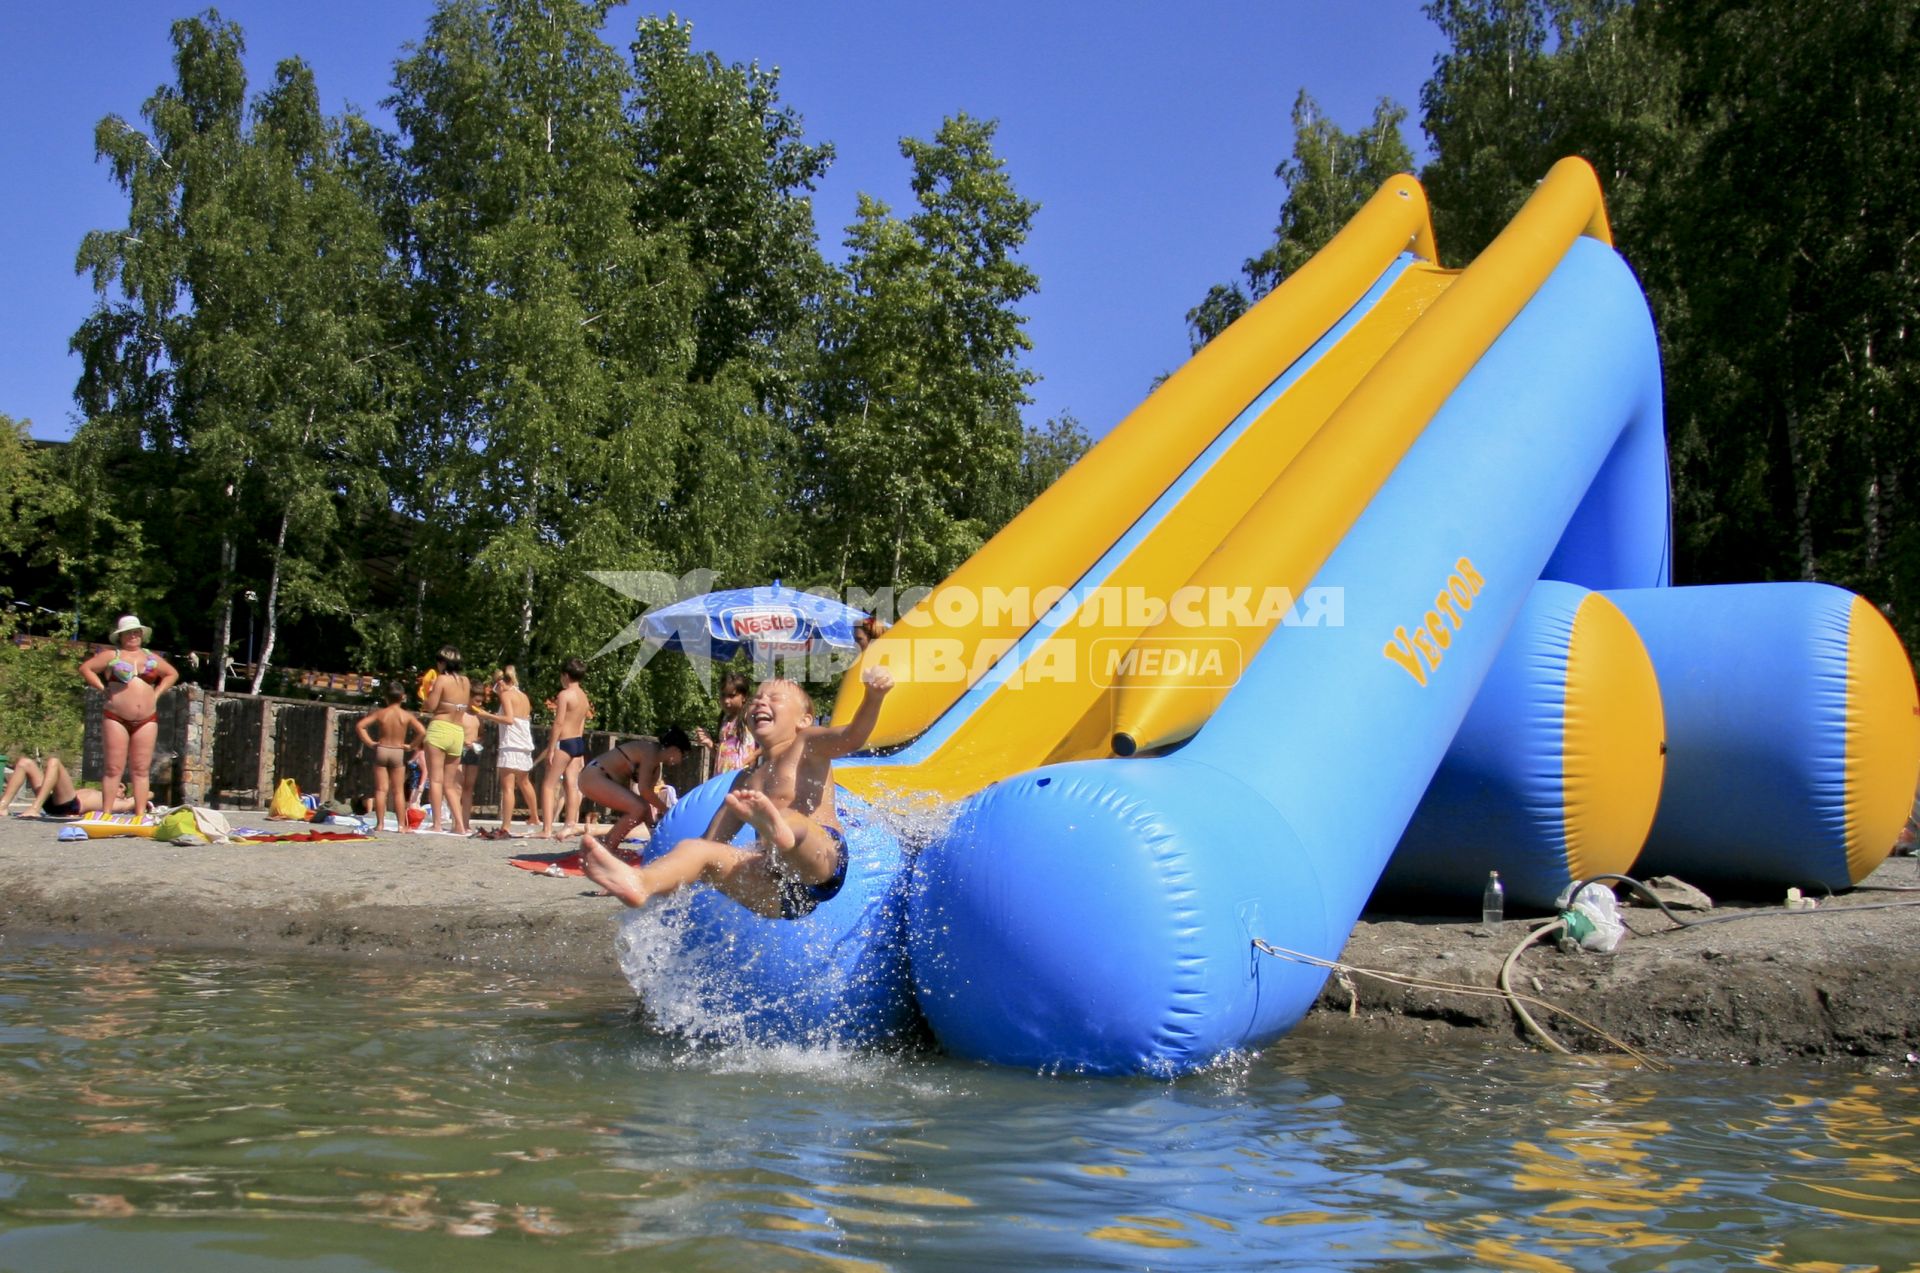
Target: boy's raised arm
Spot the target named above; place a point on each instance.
(839, 740)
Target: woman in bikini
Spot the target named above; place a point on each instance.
(133, 678)
(396, 727)
(627, 779)
(446, 709)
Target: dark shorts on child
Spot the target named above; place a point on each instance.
(798, 898)
(574, 746)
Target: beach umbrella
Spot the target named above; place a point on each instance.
(768, 622)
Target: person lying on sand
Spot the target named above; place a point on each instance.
(54, 795)
(786, 796)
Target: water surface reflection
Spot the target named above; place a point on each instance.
(196, 1111)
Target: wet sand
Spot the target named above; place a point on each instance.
(1841, 983)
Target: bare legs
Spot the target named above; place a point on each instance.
(630, 809)
(390, 782)
(113, 737)
(511, 781)
(464, 779)
(561, 769)
(801, 847)
(53, 784)
(140, 762)
(437, 790)
(24, 771)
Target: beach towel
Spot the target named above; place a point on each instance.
(567, 863)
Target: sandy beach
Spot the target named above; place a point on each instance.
(1838, 983)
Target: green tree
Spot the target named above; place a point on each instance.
(918, 445)
(234, 389)
(1330, 175)
(1485, 112)
(722, 167)
(556, 332)
(303, 326)
(156, 419)
(1793, 371)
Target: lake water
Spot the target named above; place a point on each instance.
(213, 1112)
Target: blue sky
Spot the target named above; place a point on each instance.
(1147, 132)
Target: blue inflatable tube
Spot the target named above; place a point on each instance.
(1555, 774)
(707, 967)
(1793, 733)
(1102, 915)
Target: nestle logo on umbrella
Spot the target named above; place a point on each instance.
(760, 625)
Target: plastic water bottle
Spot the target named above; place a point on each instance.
(1493, 902)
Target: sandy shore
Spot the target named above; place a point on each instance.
(1839, 983)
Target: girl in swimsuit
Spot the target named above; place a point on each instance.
(397, 727)
(446, 707)
(736, 748)
(133, 678)
(627, 779)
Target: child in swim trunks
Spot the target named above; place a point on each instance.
(396, 727)
(54, 795)
(786, 795)
(566, 751)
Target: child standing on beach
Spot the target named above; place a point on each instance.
(515, 757)
(566, 751)
(395, 727)
(736, 747)
(446, 706)
(786, 796)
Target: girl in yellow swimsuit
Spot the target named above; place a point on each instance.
(446, 707)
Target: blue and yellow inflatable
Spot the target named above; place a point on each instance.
(1377, 585)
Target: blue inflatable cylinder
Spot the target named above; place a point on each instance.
(706, 966)
(1555, 774)
(1116, 915)
(1793, 733)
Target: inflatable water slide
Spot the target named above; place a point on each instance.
(1374, 593)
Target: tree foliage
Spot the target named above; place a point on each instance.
(1754, 158)
(399, 389)
(1329, 176)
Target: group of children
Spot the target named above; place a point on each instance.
(444, 755)
(780, 755)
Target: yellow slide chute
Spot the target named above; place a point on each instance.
(1054, 541)
(1268, 510)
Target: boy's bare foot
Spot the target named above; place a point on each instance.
(763, 815)
(610, 873)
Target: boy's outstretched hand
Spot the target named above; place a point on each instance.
(877, 679)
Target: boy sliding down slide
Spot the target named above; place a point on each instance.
(786, 795)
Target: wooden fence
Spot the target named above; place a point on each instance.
(231, 751)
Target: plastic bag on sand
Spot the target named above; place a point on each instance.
(1593, 919)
